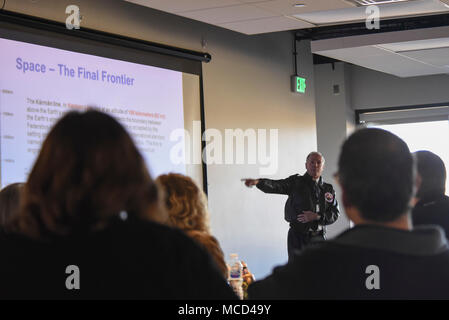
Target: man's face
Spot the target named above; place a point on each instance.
(315, 166)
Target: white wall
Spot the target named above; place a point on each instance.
(246, 85)
(334, 122)
(372, 89)
(256, 95)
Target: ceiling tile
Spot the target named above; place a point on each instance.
(254, 1)
(317, 12)
(173, 6)
(237, 13)
(375, 58)
(265, 25)
(418, 7)
(436, 57)
(286, 7)
(416, 45)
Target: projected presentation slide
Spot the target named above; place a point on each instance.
(39, 84)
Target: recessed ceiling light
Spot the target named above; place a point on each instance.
(299, 5)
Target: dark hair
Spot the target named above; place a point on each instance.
(433, 174)
(377, 173)
(9, 202)
(87, 172)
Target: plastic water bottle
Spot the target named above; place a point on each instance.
(235, 275)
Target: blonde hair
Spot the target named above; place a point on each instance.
(186, 206)
(186, 203)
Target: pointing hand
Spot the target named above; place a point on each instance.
(250, 182)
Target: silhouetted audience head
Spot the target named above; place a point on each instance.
(432, 173)
(377, 174)
(87, 172)
(9, 202)
(187, 210)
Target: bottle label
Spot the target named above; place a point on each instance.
(235, 272)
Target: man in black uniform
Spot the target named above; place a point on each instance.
(310, 206)
(382, 256)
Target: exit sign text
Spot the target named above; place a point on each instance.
(298, 84)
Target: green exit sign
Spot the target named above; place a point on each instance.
(298, 84)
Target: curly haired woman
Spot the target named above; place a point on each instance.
(187, 210)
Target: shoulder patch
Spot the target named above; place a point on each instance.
(329, 197)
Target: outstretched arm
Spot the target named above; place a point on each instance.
(282, 186)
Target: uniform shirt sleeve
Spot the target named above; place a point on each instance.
(283, 186)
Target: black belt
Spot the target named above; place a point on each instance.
(304, 229)
(315, 233)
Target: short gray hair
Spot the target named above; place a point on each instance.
(315, 153)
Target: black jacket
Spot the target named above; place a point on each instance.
(411, 265)
(433, 210)
(128, 260)
(302, 196)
